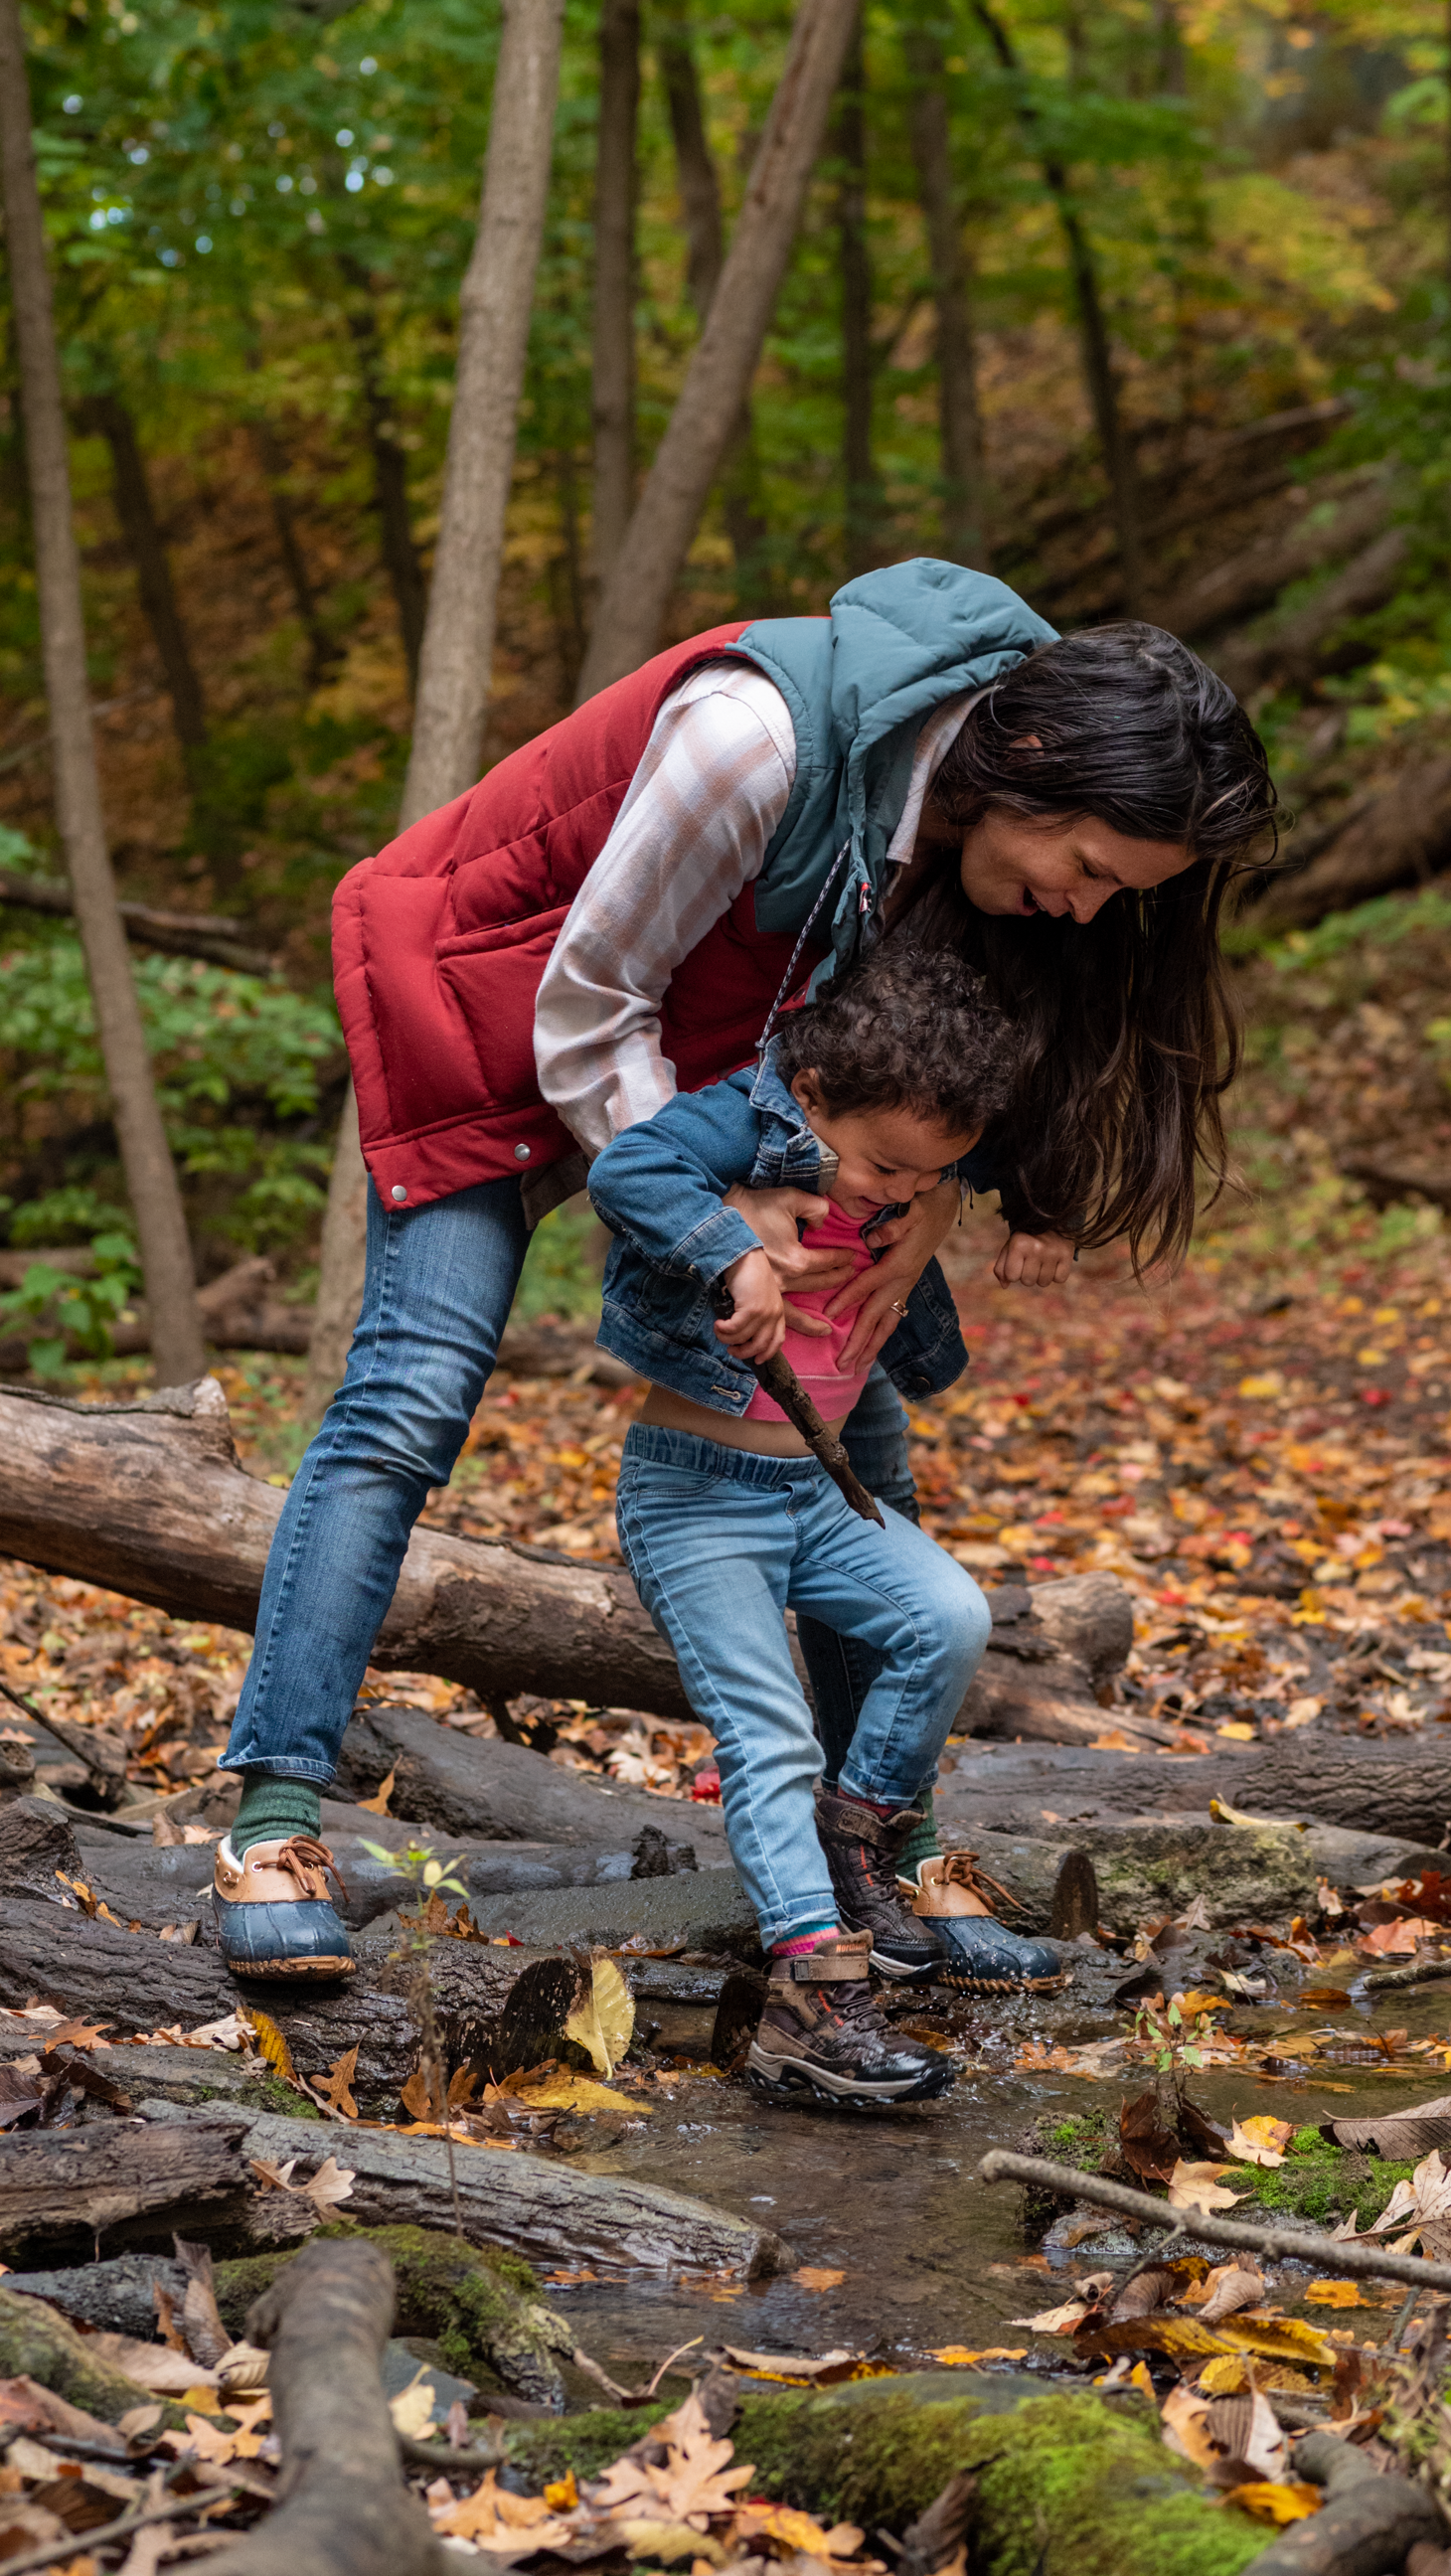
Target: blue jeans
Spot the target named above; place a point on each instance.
(440, 1283)
(721, 1543)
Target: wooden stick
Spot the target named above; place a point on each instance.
(784, 1387)
(80, 2544)
(1283, 2244)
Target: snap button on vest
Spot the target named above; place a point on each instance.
(521, 1153)
(399, 1191)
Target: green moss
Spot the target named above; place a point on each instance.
(1083, 2142)
(37, 2343)
(1072, 2484)
(1320, 2180)
(479, 2305)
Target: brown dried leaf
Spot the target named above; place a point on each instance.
(335, 2088)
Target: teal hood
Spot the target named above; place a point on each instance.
(861, 683)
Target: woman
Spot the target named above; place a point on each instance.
(615, 912)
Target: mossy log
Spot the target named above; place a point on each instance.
(344, 2509)
(498, 2010)
(1153, 1867)
(1070, 2484)
(480, 2305)
(36, 2343)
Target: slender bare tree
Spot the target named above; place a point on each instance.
(964, 536)
(614, 306)
(861, 498)
(633, 603)
(176, 1333)
(390, 465)
(458, 638)
(111, 418)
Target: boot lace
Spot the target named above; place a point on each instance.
(302, 1853)
(960, 1869)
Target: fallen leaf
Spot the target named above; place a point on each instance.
(603, 2021)
(564, 2091)
(1260, 2141)
(335, 2088)
(1336, 2294)
(1269, 2501)
(1148, 2148)
(377, 1805)
(1055, 2321)
(151, 2365)
(412, 2409)
(1184, 2419)
(790, 2366)
(329, 2185)
(810, 2276)
(1231, 2286)
(1115, 1742)
(272, 2044)
(956, 2356)
(1198, 2187)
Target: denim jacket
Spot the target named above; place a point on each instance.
(660, 1188)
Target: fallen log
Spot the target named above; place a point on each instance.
(1155, 1865)
(74, 2186)
(504, 1793)
(342, 2504)
(150, 1500)
(176, 934)
(38, 2344)
(1242, 584)
(1396, 838)
(1369, 2523)
(1291, 648)
(498, 2011)
(533, 2205)
(1401, 1796)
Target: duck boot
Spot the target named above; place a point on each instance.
(861, 1849)
(822, 2033)
(274, 1915)
(983, 1958)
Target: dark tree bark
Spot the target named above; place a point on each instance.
(628, 619)
(861, 499)
(108, 414)
(614, 301)
(343, 2509)
(341, 1267)
(390, 465)
(699, 185)
(176, 934)
(964, 536)
(145, 1155)
(322, 651)
(1100, 375)
(56, 2185)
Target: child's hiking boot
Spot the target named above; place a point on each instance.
(823, 2033)
(955, 1898)
(274, 1915)
(861, 1849)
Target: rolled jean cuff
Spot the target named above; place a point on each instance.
(803, 1911)
(275, 1766)
(883, 1792)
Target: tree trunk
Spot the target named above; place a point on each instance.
(321, 650)
(964, 537)
(150, 1174)
(341, 1270)
(614, 304)
(458, 637)
(390, 466)
(58, 2185)
(1098, 368)
(628, 620)
(704, 259)
(860, 496)
(344, 2509)
(146, 547)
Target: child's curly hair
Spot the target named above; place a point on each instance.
(907, 1027)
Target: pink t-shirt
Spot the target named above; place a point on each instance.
(815, 1359)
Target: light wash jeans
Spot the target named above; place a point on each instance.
(721, 1543)
(440, 1283)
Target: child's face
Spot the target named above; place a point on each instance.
(883, 1155)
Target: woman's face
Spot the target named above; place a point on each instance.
(1011, 865)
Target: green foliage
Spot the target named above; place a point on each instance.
(562, 1270)
(78, 1309)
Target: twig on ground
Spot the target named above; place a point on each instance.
(1283, 2244)
(630, 2396)
(81, 2544)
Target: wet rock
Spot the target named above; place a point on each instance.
(705, 1910)
(1156, 1866)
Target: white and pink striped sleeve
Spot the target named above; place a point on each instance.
(710, 790)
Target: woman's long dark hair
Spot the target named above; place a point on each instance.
(1130, 1025)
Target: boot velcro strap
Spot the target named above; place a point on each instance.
(824, 1967)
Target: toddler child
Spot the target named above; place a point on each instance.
(727, 1520)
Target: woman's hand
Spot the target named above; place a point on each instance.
(758, 1327)
(1033, 1261)
(881, 1293)
(775, 1215)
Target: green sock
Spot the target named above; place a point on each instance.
(272, 1809)
(922, 1843)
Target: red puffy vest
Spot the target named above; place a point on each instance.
(439, 944)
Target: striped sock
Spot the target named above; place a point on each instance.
(810, 1939)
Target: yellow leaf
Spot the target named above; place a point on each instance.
(1235, 1726)
(1336, 2294)
(377, 1805)
(565, 2091)
(956, 2356)
(1196, 2186)
(563, 2495)
(271, 2042)
(1225, 2376)
(412, 2408)
(1261, 2141)
(1115, 1741)
(603, 2021)
(1268, 2501)
(809, 2276)
(1279, 2339)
